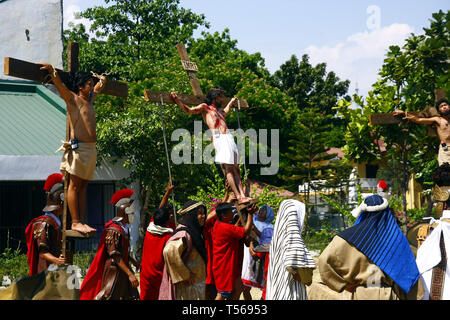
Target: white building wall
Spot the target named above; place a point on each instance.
(42, 43)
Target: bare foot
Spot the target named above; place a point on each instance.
(80, 227)
(90, 229)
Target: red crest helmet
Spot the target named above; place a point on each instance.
(52, 180)
(382, 184)
(121, 194)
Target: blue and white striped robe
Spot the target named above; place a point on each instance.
(287, 250)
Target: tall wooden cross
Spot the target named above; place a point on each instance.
(31, 71)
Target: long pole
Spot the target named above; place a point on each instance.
(167, 156)
(72, 65)
(239, 126)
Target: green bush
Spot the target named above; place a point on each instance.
(270, 198)
(13, 264)
(318, 240)
(83, 260)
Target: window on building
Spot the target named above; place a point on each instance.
(371, 171)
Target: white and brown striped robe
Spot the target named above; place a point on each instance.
(288, 250)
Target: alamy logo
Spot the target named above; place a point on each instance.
(257, 142)
(373, 22)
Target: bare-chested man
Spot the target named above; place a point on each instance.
(442, 127)
(226, 149)
(80, 153)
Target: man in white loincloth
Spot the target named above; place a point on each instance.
(226, 149)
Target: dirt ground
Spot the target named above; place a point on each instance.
(256, 293)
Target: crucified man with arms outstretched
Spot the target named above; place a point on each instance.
(226, 149)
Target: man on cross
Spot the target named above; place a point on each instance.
(80, 153)
(442, 127)
(226, 149)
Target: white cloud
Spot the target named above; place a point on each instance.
(361, 55)
(70, 8)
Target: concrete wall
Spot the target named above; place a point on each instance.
(42, 43)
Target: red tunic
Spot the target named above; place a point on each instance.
(42, 234)
(265, 255)
(97, 276)
(226, 253)
(207, 234)
(152, 265)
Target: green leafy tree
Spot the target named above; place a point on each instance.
(128, 31)
(307, 155)
(314, 87)
(311, 86)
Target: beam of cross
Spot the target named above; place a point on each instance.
(31, 71)
(389, 118)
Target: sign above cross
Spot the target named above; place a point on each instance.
(189, 66)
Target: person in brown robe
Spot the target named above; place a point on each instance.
(346, 272)
(351, 269)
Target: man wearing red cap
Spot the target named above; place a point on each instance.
(43, 233)
(110, 276)
(382, 189)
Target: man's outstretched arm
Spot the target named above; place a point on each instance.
(64, 92)
(415, 119)
(227, 109)
(99, 87)
(197, 109)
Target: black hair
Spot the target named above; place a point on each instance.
(161, 216)
(189, 223)
(441, 175)
(213, 93)
(222, 208)
(75, 79)
(438, 103)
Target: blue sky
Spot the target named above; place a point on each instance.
(350, 36)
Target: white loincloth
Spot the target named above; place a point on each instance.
(225, 148)
(443, 156)
(80, 162)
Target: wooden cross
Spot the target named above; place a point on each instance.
(389, 118)
(31, 71)
(189, 100)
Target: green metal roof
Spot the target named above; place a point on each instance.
(32, 119)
